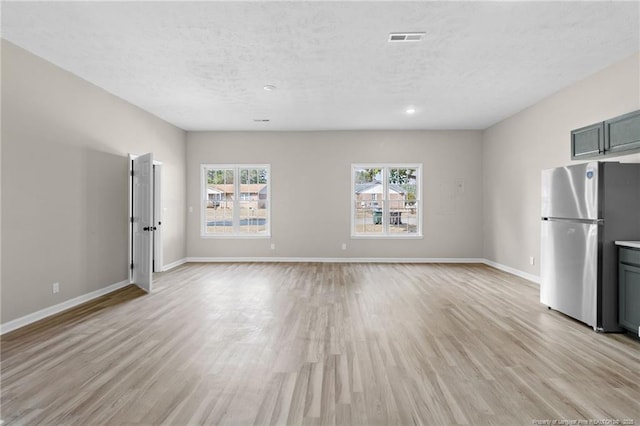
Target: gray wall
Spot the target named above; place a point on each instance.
(65, 144)
(518, 148)
(311, 191)
(64, 185)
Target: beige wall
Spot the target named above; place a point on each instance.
(65, 187)
(311, 191)
(518, 148)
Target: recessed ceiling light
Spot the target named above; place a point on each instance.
(405, 37)
(410, 110)
(269, 88)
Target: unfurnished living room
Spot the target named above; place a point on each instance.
(320, 213)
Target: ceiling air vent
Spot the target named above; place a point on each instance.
(261, 120)
(405, 37)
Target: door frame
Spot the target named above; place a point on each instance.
(158, 203)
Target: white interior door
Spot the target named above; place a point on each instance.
(143, 224)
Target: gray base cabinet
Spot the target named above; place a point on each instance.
(629, 289)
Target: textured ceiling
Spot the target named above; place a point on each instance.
(203, 65)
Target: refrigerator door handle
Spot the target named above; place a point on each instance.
(570, 220)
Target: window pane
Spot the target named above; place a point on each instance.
(220, 218)
(219, 176)
(404, 220)
(219, 208)
(402, 200)
(253, 220)
(368, 218)
(369, 199)
(253, 201)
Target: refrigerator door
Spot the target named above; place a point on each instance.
(569, 265)
(571, 192)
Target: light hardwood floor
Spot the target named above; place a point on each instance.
(319, 344)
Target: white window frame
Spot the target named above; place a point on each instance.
(385, 213)
(236, 201)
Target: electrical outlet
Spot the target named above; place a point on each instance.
(273, 246)
(532, 260)
(344, 246)
(56, 287)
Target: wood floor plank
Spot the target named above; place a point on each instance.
(319, 344)
(296, 410)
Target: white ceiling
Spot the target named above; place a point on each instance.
(203, 65)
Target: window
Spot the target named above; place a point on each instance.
(236, 201)
(386, 200)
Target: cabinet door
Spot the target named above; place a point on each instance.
(623, 133)
(629, 297)
(587, 141)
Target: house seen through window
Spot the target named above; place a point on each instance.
(236, 200)
(386, 200)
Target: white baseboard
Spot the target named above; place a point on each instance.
(175, 264)
(52, 310)
(334, 259)
(513, 271)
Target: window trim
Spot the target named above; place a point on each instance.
(236, 190)
(385, 184)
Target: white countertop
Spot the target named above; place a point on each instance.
(634, 244)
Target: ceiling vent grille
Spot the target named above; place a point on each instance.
(405, 37)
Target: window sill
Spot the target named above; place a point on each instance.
(386, 237)
(235, 237)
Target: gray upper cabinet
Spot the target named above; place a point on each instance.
(619, 135)
(622, 133)
(587, 141)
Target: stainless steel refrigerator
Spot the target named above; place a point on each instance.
(585, 209)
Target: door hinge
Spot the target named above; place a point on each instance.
(131, 219)
(131, 266)
(131, 173)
